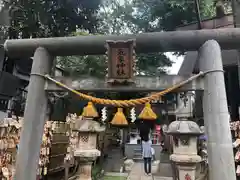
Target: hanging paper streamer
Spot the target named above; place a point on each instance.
(133, 115)
(104, 114)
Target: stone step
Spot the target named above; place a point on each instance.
(137, 150)
(116, 174)
(165, 170)
(137, 154)
(162, 178)
(137, 159)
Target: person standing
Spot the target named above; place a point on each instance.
(147, 154)
(144, 131)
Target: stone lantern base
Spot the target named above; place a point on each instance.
(85, 159)
(186, 165)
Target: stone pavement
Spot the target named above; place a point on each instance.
(114, 161)
(137, 173)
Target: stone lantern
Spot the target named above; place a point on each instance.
(185, 134)
(86, 152)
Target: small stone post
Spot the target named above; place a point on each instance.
(185, 156)
(86, 152)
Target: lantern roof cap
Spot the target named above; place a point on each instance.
(184, 127)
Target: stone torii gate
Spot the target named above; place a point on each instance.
(221, 162)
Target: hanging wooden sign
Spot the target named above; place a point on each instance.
(121, 56)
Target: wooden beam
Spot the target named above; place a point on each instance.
(212, 23)
(143, 84)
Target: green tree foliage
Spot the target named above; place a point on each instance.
(84, 65)
(152, 64)
(42, 18)
(136, 16)
(163, 15)
(157, 15)
(119, 17)
(168, 14)
(113, 15)
(45, 18)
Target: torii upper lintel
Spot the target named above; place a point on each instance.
(228, 38)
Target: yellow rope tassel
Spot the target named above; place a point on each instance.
(119, 118)
(90, 111)
(147, 113)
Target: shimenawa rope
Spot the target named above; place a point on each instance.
(126, 103)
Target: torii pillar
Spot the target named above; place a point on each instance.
(34, 117)
(215, 110)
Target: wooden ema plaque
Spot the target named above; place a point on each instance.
(120, 61)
